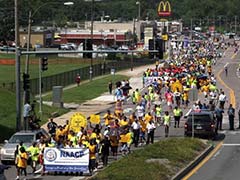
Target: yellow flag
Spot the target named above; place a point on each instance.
(95, 119)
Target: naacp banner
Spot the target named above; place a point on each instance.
(66, 159)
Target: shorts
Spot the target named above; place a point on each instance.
(169, 103)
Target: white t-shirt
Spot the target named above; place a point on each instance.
(222, 97)
(140, 111)
(150, 127)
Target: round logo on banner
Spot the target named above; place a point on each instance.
(77, 121)
(50, 155)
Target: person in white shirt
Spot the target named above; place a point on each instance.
(136, 132)
(222, 99)
(140, 110)
(150, 130)
(26, 114)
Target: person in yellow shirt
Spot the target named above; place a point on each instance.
(92, 156)
(59, 132)
(108, 117)
(84, 139)
(124, 122)
(22, 163)
(73, 138)
(166, 120)
(132, 118)
(185, 99)
(142, 130)
(34, 152)
(148, 117)
(205, 90)
(137, 96)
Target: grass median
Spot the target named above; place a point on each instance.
(161, 160)
(88, 90)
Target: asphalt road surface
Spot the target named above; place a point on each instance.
(225, 163)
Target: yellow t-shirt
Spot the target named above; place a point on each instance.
(123, 123)
(22, 160)
(148, 118)
(92, 151)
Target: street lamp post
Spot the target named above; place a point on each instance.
(139, 9)
(17, 69)
(91, 65)
(92, 16)
(30, 16)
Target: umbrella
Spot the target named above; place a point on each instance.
(202, 76)
(157, 102)
(126, 88)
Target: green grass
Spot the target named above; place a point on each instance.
(89, 90)
(8, 113)
(7, 55)
(178, 151)
(56, 65)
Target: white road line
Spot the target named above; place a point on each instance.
(77, 178)
(231, 145)
(38, 176)
(226, 64)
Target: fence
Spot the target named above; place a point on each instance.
(68, 78)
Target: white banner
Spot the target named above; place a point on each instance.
(66, 159)
(149, 80)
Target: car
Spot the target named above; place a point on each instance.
(27, 137)
(204, 124)
(72, 46)
(65, 47)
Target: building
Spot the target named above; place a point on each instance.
(108, 33)
(39, 38)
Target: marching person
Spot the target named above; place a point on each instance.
(150, 130)
(166, 121)
(92, 155)
(136, 132)
(22, 163)
(34, 153)
(52, 126)
(177, 116)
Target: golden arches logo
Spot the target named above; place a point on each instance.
(164, 9)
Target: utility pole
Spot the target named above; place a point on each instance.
(191, 29)
(235, 25)
(17, 69)
(26, 93)
(92, 15)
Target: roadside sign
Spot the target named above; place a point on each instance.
(165, 37)
(193, 94)
(112, 71)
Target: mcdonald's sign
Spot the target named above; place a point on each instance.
(164, 9)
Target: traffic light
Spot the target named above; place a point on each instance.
(26, 82)
(160, 48)
(44, 63)
(151, 47)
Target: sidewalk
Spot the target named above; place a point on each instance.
(103, 102)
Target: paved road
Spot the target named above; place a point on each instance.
(225, 163)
